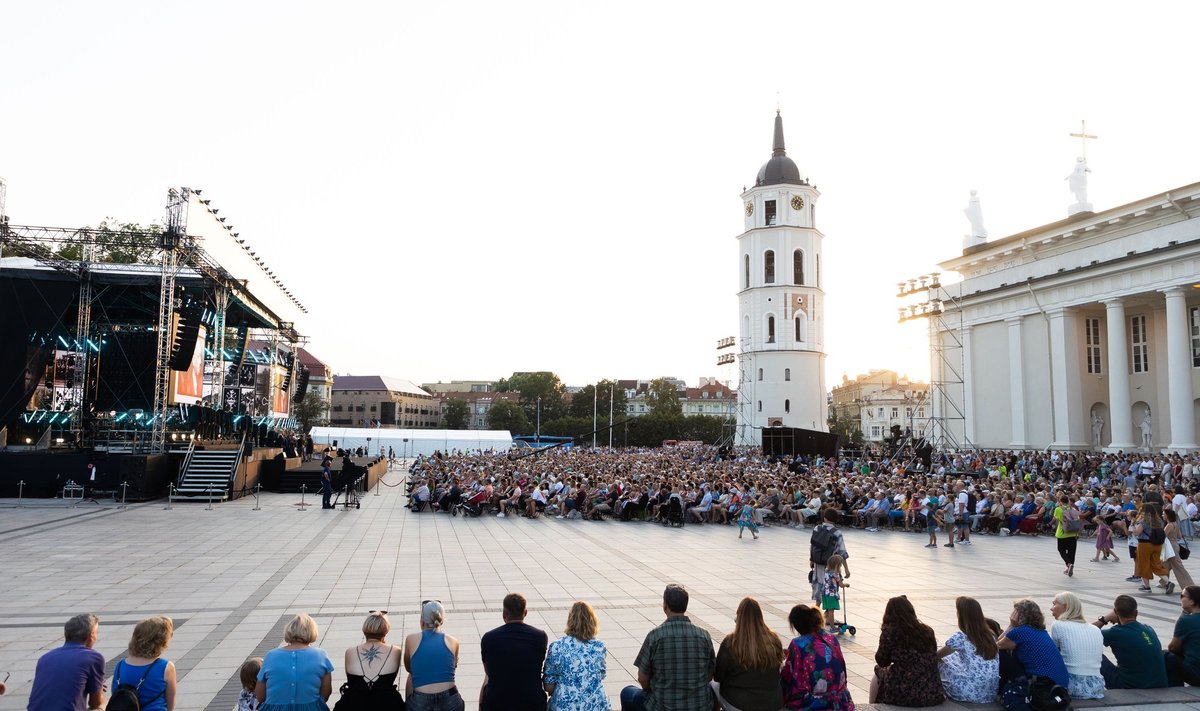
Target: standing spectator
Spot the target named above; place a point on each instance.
(575, 664)
(814, 673)
(1066, 532)
(513, 654)
(675, 663)
(71, 677)
(747, 672)
(970, 661)
(826, 540)
(140, 668)
(1174, 534)
(906, 662)
(1139, 654)
(431, 659)
(326, 485)
(1081, 645)
(1150, 532)
(296, 676)
(1183, 653)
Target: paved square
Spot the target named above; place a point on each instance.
(231, 577)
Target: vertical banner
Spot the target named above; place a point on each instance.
(187, 387)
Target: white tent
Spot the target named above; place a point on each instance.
(410, 443)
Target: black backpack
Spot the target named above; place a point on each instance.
(823, 544)
(125, 698)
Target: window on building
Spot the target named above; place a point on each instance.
(373, 408)
(801, 327)
(787, 373)
(760, 373)
(337, 408)
(746, 260)
(1091, 333)
(920, 412)
(881, 413)
(1139, 344)
(798, 267)
(908, 412)
(1195, 314)
(895, 412)
(876, 432)
(770, 329)
(760, 405)
(787, 405)
(769, 212)
(769, 267)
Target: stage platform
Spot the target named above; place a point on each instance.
(309, 474)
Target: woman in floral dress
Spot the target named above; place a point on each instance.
(970, 660)
(575, 668)
(814, 673)
(906, 662)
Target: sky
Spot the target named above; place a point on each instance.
(464, 190)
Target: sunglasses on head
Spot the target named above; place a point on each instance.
(426, 602)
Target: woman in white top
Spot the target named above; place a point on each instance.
(1081, 645)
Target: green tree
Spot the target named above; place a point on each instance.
(118, 243)
(847, 429)
(507, 415)
(541, 386)
(310, 411)
(582, 401)
(457, 414)
(663, 398)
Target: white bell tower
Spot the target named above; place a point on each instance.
(780, 302)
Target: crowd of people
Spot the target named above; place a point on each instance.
(678, 668)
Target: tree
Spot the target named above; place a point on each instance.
(663, 398)
(507, 415)
(582, 401)
(310, 411)
(542, 386)
(458, 414)
(118, 243)
(847, 429)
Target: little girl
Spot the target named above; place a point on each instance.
(1104, 541)
(249, 677)
(746, 520)
(835, 569)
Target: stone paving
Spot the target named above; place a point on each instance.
(232, 576)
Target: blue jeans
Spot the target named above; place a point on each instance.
(448, 700)
(633, 698)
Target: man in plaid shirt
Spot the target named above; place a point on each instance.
(675, 664)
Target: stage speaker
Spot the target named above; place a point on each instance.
(290, 364)
(183, 340)
(301, 384)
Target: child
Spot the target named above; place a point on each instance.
(932, 520)
(1104, 541)
(249, 675)
(746, 520)
(835, 569)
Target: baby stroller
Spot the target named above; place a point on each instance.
(674, 515)
(473, 505)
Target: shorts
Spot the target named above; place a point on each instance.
(962, 523)
(830, 602)
(931, 525)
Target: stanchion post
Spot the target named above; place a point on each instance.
(21, 494)
(257, 491)
(170, 497)
(209, 507)
(303, 488)
(345, 498)
(124, 489)
(379, 481)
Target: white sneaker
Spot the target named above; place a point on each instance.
(966, 542)
(559, 517)
(500, 515)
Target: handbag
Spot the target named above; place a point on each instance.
(1185, 551)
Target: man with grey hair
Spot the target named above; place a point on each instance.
(71, 677)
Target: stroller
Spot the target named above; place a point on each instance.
(473, 504)
(674, 515)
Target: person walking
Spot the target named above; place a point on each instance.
(826, 540)
(326, 485)
(1066, 532)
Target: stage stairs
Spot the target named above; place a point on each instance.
(205, 468)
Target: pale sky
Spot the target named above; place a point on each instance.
(461, 190)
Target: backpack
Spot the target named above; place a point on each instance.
(125, 698)
(823, 544)
(1071, 522)
(1045, 695)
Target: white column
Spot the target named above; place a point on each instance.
(1016, 381)
(1064, 377)
(968, 377)
(1119, 416)
(1179, 371)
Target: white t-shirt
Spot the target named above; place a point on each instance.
(961, 503)
(1082, 646)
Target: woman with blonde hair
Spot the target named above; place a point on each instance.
(371, 669)
(970, 660)
(748, 661)
(1081, 645)
(144, 668)
(575, 667)
(296, 676)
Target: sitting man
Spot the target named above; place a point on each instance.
(513, 654)
(71, 676)
(675, 664)
(1139, 654)
(882, 510)
(1183, 652)
(702, 510)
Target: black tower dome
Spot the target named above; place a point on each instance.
(779, 169)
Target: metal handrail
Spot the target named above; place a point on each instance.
(241, 452)
(187, 461)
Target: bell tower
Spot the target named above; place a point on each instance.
(780, 302)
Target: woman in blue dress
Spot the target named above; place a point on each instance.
(575, 668)
(296, 676)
